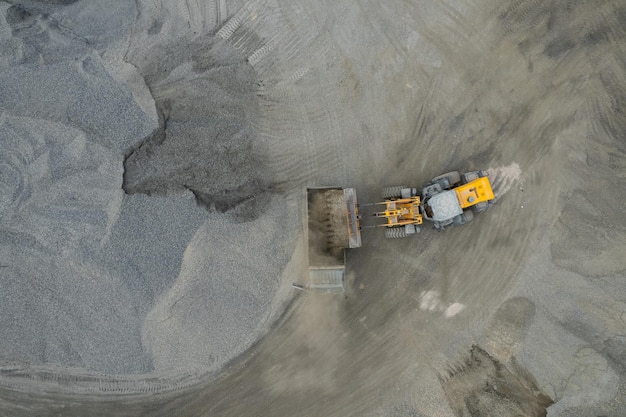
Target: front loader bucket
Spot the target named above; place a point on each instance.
(333, 226)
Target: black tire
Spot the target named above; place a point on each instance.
(468, 216)
(395, 233)
(393, 192)
(480, 207)
(453, 178)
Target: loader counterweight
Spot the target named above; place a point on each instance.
(474, 192)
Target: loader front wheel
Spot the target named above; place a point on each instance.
(393, 192)
(395, 233)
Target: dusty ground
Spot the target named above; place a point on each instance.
(154, 159)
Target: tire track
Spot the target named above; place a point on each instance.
(297, 129)
(246, 12)
(30, 379)
(182, 6)
(519, 16)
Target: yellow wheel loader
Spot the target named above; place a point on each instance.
(449, 199)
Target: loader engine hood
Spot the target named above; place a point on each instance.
(444, 206)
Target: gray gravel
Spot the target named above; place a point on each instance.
(221, 299)
(76, 133)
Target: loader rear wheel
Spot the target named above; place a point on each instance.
(453, 178)
(395, 233)
(468, 216)
(393, 192)
(480, 207)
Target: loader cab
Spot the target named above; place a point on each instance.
(441, 207)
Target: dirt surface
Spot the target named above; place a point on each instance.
(480, 385)
(154, 156)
